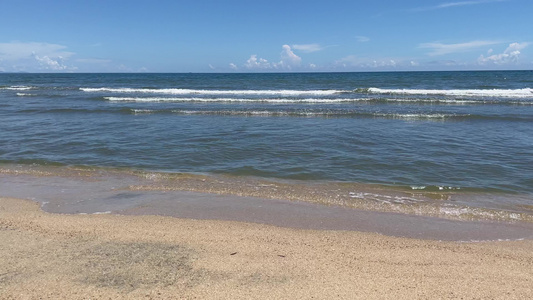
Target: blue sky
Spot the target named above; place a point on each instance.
(265, 36)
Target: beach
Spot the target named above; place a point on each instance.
(409, 185)
(266, 150)
(104, 256)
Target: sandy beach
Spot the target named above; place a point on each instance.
(266, 150)
(104, 256)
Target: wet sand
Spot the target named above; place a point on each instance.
(60, 256)
(113, 194)
(71, 188)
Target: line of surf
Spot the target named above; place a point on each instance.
(213, 92)
(305, 113)
(507, 93)
(200, 99)
(316, 100)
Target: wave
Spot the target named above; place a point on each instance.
(423, 116)
(266, 113)
(435, 188)
(198, 99)
(449, 101)
(525, 93)
(214, 92)
(503, 93)
(17, 88)
(438, 117)
(304, 113)
(309, 113)
(318, 100)
(39, 88)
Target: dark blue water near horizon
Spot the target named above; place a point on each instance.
(467, 130)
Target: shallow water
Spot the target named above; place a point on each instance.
(467, 134)
(104, 191)
(91, 190)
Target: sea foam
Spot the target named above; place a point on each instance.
(515, 93)
(17, 88)
(258, 100)
(214, 92)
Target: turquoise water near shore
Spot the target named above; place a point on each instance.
(466, 132)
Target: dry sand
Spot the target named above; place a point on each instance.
(53, 256)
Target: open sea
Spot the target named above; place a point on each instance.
(457, 142)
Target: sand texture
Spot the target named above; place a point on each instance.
(54, 256)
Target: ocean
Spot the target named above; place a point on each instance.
(438, 143)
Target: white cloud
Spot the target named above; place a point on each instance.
(456, 4)
(288, 58)
(48, 63)
(442, 49)
(211, 66)
(288, 61)
(362, 39)
(33, 56)
(510, 55)
(233, 66)
(308, 47)
(257, 63)
(465, 3)
(20, 50)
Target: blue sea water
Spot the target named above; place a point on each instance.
(468, 131)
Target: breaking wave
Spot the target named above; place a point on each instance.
(17, 88)
(214, 92)
(503, 93)
(306, 113)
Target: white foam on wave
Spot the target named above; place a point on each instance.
(214, 92)
(143, 111)
(233, 113)
(17, 88)
(385, 199)
(460, 102)
(97, 213)
(306, 100)
(239, 113)
(421, 116)
(421, 187)
(305, 113)
(508, 93)
(460, 211)
(198, 99)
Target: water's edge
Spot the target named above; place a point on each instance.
(320, 205)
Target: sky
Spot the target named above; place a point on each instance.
(265, 36)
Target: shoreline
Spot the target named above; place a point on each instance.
(60, 256)
(97, 183)
(126, 194)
